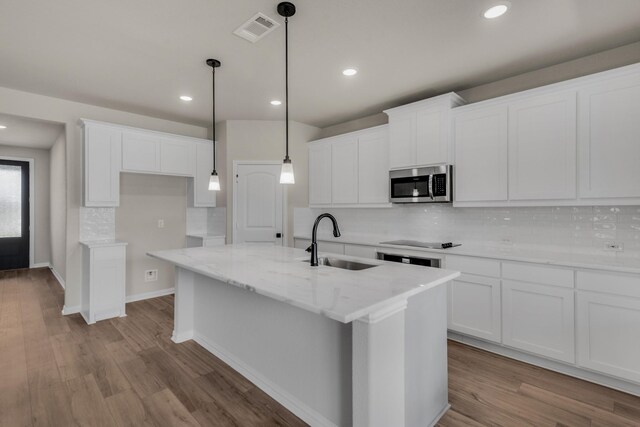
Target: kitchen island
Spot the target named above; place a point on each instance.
(334, 346)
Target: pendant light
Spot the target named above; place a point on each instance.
(214, 180)
(286, 9)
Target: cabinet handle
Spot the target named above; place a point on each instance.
(431, 186)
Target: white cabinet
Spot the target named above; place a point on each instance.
(102, 158)
(609, 145)
(481, 163)
(140, 152)
(542, 147)
(177, 157)
(474, 306)
(539, 319)
(373, 164)
(197, 241)
(609, 334)
(199, 194)
(320, 173)
(103, 281)
(344, 170)
(419, 133)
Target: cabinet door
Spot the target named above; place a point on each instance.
(542, 148)
(474, 307)
(108, 282)
(608, 144)
(373, 168)
(102, 155)
(177, 157)
(432, 136)
(538, 319)
(320, 173)
(201, 195)
(481, 155)
(402, 140)
(140, 152)
(609, 334)
(344, 171)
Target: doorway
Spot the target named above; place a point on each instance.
(258, 203)
(15, 214)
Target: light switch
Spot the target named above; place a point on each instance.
(161, 223)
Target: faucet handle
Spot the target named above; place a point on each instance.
(308, 249)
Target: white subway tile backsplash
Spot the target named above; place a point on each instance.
(97, 224)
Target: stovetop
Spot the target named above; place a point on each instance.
(418, 244)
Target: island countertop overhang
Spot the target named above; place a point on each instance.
(281, 273)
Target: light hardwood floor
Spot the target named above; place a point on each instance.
(55, 370)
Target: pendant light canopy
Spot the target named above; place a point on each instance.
(214, 180)
(286, 9)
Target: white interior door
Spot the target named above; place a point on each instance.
(258, 211)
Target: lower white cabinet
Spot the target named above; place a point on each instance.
(197, 241)
(609, 334)
(103, 280)
(538, 319)
(474, 306)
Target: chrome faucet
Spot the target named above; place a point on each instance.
(313, 249)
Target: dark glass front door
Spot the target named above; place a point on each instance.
(14, 214)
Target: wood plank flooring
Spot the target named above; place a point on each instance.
(57, 371)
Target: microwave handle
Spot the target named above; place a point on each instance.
(431, 186)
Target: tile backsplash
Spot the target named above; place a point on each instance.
(572, 228)
(97, 224)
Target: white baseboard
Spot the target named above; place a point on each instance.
(57, 276)
(293, 404)
(70, 310)
(148, 295)
(40, 265)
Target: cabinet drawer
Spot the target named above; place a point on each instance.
(480, 266)
(610, 283)
(538, 274)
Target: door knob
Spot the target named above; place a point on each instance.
(278, 235)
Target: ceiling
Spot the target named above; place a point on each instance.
(140, 56)
(29, 133)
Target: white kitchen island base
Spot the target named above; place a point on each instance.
(326, 372)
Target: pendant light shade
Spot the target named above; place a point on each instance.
(214, 180)
(287, 10)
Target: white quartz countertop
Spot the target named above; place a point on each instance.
(284, 274)
(610, 261)
(102, 243)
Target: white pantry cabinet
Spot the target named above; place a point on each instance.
(344, 170)
(542, 147)
(538, 319)
(102, 157)
(609, 138)
(320, 180)
(481, 162)
(420, 133)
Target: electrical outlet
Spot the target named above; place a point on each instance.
(161, 223)
(151, 275)
(614, 247)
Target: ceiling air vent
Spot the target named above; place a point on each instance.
(256, 28)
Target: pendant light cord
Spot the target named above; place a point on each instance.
(286, 84)
(213, 115)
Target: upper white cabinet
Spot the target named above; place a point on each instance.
(419, 133)
(102, 158)
(320, 181)
(542, 147)
(350, 170)
(344, 170)
(481, 170)
(609, 137)
(110, 149)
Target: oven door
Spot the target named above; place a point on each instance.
(410, 189)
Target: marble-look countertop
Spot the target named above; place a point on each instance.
(610, 261)
(284, 274)
(102, 243)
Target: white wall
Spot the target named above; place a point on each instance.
(144, 199)
(58, 206)
(264, 140)
(42, 246)
(41, 107)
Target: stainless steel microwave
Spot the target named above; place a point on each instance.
(432, 184)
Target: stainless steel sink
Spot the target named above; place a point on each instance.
(343, 263)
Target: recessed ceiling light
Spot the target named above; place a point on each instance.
(3, 127)
(349, 72)
(186, 98)
(497, 10)
(276, 102)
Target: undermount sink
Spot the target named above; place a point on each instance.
(343, 263)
